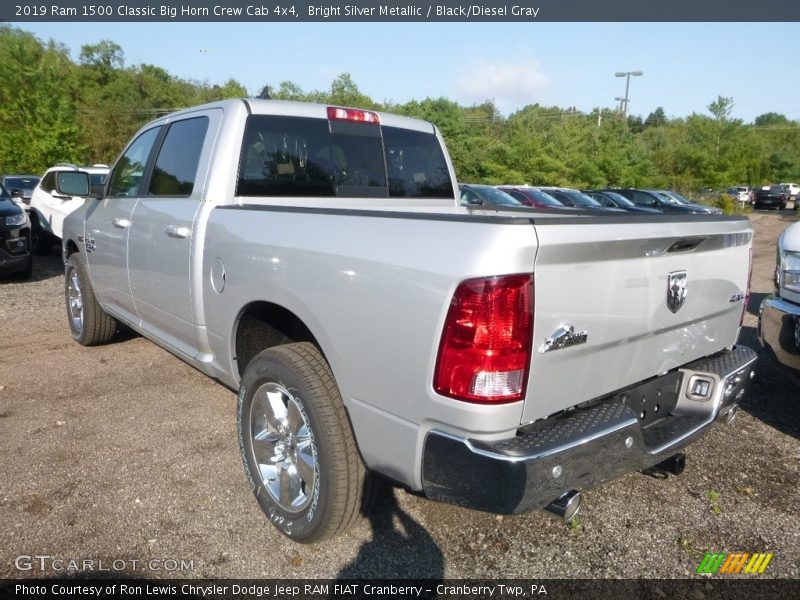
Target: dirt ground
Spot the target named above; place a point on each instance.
(125, 457)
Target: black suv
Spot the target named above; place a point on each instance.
(15, 238)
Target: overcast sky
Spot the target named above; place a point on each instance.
(686, 66)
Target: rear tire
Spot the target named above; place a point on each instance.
(297, 445)
(89, 323)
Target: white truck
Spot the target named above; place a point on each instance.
(317, 259)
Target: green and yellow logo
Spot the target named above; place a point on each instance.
(733, 564)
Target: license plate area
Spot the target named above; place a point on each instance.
(653, 400)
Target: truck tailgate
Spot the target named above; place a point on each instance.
(610, 279)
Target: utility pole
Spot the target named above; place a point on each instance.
(623, 102)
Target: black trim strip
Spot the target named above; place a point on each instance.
(524, 215)
(247, 106)
(386, 214)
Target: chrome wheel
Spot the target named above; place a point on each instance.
(283, 447)
(75, 300)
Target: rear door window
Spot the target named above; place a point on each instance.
(176, 166)
(297, 156)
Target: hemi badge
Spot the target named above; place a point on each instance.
(737, 297)
(564, 337)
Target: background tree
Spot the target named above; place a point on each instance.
(37, 108)
(55, 109)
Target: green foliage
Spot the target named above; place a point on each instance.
(726, 203)
(54, 109)
(37, 112)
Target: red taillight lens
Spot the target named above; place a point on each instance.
(352, 114)
(485, 352)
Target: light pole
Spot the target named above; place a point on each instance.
(627, 75)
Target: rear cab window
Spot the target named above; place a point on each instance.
(301, 156)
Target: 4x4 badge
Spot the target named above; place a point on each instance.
(676, 290)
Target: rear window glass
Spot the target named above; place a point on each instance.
(416, 165)
(296, 156)
(25, 183)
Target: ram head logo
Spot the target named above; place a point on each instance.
(676, 290)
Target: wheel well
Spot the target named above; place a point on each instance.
(262, 325)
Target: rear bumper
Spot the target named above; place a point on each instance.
(586, 446)
(779, 331)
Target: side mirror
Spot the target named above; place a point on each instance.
(72, 183)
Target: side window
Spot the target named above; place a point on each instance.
(48, 182)
(286, 156)
(176, 166)
(416, 165)
(469, 197)
(128, 172)
(604, 200)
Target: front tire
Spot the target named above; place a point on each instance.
(297, 444)
(89, 323)
(41, 241)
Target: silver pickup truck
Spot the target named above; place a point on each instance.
(317, 259)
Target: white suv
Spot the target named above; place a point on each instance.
(49, 208)
(793, 190)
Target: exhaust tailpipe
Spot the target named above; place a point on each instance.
(730, 415)
(567, 506)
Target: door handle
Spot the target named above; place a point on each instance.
(177, 232)
(121, 223)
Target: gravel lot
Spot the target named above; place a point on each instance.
(125, 453)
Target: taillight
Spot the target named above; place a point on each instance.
(353, 114)
(485, 352)
(747, 292)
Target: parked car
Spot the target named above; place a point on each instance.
(614, 200)
(20, 187)
(676, 198)
(387, 328)
(653, 199)
(485, 195)
(531, 196)
(49, 208)
(772, 196)
(15, 238)
(576, 199)
(741, 193)
(793, 190)
(779, 315)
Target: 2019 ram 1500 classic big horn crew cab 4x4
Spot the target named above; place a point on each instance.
(317, 259)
